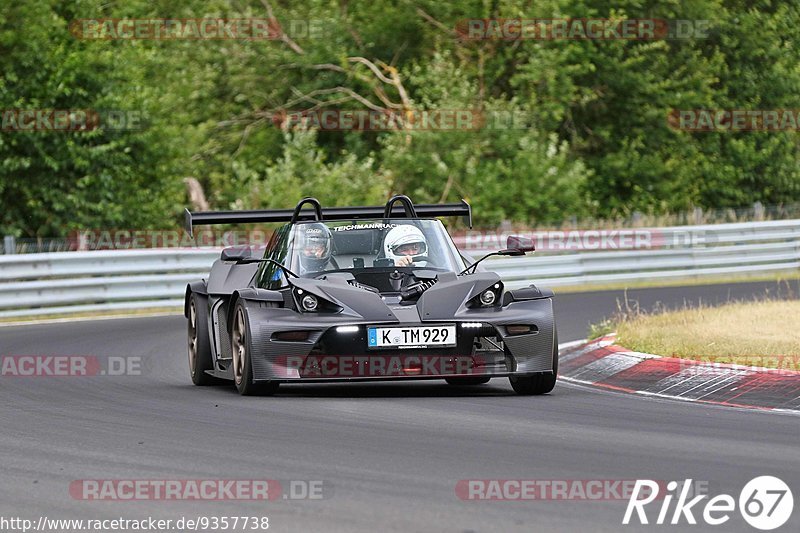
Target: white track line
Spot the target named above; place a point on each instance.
(82, 319)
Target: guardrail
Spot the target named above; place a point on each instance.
(66, 282)
(69, 282)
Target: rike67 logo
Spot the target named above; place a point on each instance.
(765, 503)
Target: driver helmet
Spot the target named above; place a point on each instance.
(314, 246)
(405, 240)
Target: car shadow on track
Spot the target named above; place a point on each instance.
(418, 389)
(391, 390)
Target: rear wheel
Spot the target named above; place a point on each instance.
(537, 383)
(242, 358)
(477, 380)
(200, 357)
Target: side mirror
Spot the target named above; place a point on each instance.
(523, 244)
(511, 252)
(236, 254)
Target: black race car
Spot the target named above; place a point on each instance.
(364, 293)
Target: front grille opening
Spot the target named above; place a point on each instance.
(522, 329)
(491, 344)
(291, 336)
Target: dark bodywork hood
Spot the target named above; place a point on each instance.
(445, 300)
(354, 301)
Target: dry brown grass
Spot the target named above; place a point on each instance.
(777, 277)
(765, 333)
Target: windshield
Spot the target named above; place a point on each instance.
(315, 247)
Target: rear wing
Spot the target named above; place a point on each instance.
(390, 210)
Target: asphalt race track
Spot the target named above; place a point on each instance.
(389, 455)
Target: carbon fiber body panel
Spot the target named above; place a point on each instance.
(275, 360)
(226, 277)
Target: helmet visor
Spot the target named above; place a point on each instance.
(410, 248)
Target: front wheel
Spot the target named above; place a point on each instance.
(537, 383)
(242, 358)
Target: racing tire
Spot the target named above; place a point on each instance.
(242, 349)
(200, 357)
(537, 383)
(477, 380)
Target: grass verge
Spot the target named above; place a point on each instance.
(680, 282)
(763, 333)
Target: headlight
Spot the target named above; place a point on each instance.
(309, 302)
(305, 302)
(488, 297)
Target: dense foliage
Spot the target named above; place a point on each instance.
(594, 138)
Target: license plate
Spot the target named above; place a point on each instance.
(411, 336)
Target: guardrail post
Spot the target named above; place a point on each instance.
(9, 245)
(758, 211)
(697, 216)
